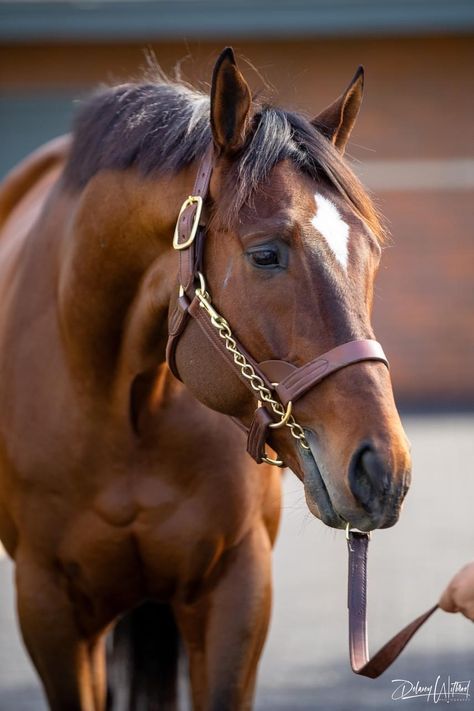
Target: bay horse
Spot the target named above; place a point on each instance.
(125, 493)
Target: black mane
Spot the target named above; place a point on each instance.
(163, 127)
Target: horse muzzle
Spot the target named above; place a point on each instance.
(370, 497)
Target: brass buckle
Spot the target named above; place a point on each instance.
(191, 200)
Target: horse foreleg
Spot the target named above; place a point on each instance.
(225, 631)
(61, 655)
(98, 666)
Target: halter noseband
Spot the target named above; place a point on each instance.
(276, 384)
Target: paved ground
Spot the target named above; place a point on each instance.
(305, 666)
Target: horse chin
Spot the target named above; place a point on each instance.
(317, 496)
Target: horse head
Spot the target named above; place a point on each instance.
(291, 251)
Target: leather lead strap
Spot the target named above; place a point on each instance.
(361, 664)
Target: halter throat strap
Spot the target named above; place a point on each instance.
(276, 384)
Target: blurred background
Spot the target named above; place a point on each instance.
(413, 147)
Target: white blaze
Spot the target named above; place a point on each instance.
(332, 227)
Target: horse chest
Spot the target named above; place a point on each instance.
(142, 536)
(108, 569)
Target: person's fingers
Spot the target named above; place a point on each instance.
(459, 595)
(446, 601)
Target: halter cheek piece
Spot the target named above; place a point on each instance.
(276, 384)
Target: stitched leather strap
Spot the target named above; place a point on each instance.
(189, 257)
(176, 325)
(357, 604)
(258, 434)
(303, 379)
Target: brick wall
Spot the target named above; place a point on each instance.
(424, 309)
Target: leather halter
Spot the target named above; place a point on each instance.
(287, 381)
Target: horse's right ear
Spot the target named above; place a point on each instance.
(230, 104)
(337, 120)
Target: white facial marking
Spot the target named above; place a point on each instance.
(332, 227)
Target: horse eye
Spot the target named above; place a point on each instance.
(265, 258)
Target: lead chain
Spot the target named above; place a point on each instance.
(246, 369)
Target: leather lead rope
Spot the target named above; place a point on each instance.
(361, 663)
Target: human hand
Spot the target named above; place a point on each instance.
(459, 595)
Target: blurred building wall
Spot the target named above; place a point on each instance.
(412, 145)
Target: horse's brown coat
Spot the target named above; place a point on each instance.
(118, 485)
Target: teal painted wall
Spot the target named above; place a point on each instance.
(30, 119)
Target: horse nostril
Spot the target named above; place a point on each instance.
(368, 478)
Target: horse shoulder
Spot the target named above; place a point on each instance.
(38, 170)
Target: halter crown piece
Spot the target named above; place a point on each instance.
(276, 385)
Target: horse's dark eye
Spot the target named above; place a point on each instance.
(265, 258)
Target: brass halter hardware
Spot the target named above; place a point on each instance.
(191, 200)
(277, 425)
(285, 418)
(275, 462)
(247, 370)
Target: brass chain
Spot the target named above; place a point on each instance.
(247, 370)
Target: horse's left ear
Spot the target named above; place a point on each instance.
(230, 104)
(337, 120)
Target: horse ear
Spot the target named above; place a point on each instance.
(230, 104)
(337, 120)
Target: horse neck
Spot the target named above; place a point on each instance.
(118, 271)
